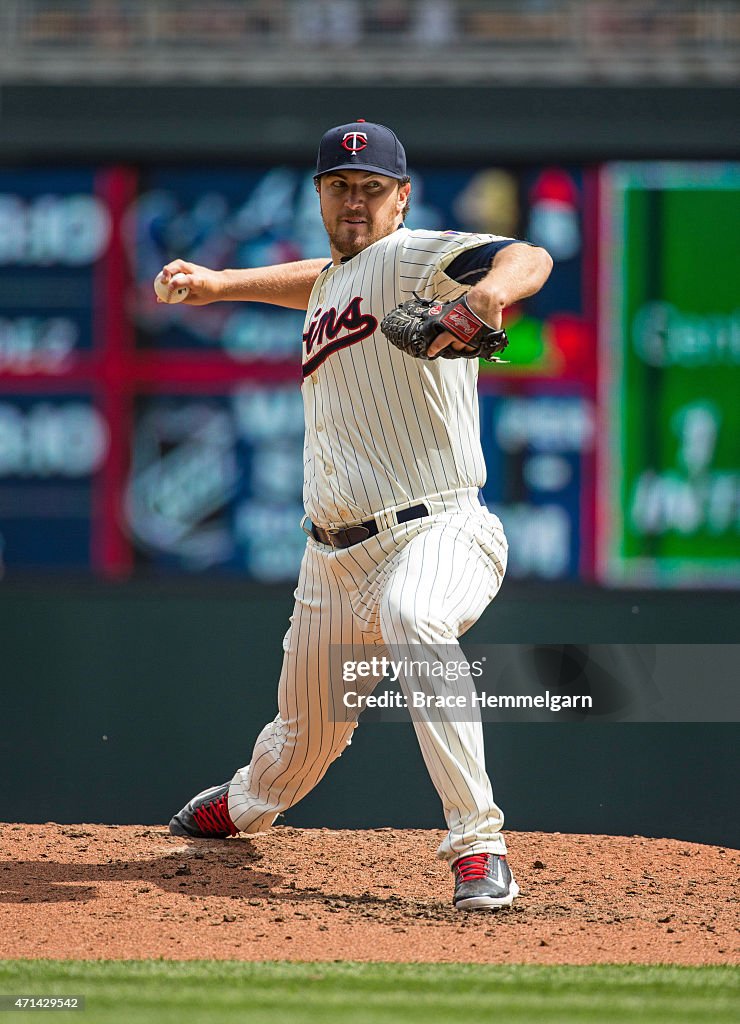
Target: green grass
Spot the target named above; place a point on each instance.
(207, 992)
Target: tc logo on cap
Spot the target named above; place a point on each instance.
(353, 142)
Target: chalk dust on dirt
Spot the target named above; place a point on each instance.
(130, 892)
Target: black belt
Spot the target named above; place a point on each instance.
(355, 534)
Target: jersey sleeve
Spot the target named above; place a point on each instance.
(444, 264)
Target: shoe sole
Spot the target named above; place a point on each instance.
(489, 902)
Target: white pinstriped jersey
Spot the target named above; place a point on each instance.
(382, 428)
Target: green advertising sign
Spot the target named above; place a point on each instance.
(670, 375)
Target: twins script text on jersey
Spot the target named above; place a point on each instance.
(324, 332)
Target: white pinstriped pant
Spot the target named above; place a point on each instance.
(422, 582)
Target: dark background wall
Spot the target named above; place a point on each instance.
(436, 122)
(119, 703)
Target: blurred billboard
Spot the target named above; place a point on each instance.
(138, 438)
(670, 362)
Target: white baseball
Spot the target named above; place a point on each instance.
(161, 289)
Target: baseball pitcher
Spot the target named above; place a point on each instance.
(400, 550)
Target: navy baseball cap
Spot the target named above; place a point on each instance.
(361, 146)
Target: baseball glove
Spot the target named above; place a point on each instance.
(415, 324)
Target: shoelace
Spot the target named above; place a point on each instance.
(214, 817)
(468, 869)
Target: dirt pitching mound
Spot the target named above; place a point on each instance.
(114, 892)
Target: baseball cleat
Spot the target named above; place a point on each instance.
(483, 881)
(206, 816)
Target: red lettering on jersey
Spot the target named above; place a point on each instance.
(328, 332)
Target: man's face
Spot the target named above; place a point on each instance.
(359, 208)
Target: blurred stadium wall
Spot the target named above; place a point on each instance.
(150, 457)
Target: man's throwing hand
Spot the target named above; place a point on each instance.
(203, 285)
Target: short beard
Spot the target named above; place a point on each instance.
(346, 248)
(343, 248)
(374, 234)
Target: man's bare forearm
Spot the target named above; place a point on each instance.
(285, 284)
(517, 271)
